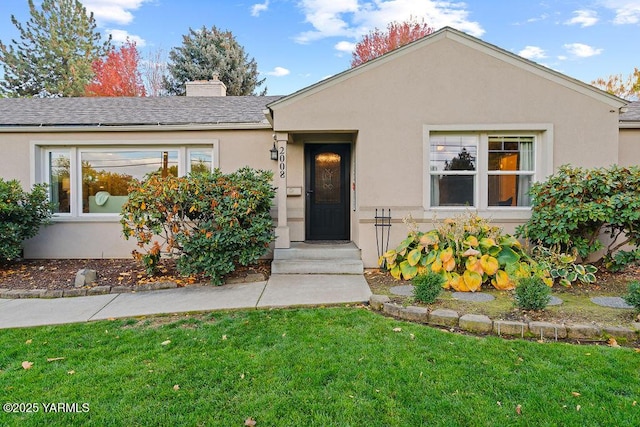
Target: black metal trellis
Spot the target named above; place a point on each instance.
(382, 224)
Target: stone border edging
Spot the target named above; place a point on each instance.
(106, 289)
(481, 324)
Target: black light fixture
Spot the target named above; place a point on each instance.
(274, 152)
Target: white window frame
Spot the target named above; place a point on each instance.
(543, 149)
(40, 165)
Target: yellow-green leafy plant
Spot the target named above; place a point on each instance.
(466, 251)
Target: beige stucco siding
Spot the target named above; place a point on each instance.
(447, 84)
(98, 236)
(629, 147)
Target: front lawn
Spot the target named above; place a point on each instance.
(336, 366)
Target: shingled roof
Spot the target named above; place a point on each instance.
(632, 114)
(174, 110)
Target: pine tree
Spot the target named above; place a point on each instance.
(56, 50)
(208, 51)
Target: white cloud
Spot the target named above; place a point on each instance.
(584, 18)
(354, 18)
(120, 36)
(113, 11)
(582, 50)
(258, 8)
(279, 72)
(345, 46)
(626, 11)
(532, 52)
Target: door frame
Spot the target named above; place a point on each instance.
(346, 148)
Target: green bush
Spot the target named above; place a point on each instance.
(427, 287)
(633, 294)
(532, 293)
(576, 207)
(210, 222)
(21, 215)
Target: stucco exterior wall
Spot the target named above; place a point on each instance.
(629, 151)
(99, 236)
(445, 83)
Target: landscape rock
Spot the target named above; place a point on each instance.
(444, 317)
(583, 331)
(547, 330)
(620, 332)
(391, 309)
(377, 301)
(85, 276)
(510, 328)
(415, 314)
(478, 323)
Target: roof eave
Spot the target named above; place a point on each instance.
(131, 128)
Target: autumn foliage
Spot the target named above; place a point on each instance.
(210, 222)
(619, 85)
(117, 74)
(379, 42)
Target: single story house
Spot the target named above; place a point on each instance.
(440, 126)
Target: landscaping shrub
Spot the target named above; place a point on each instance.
(633, 294)
(562, 266)
(466, 252)
(21, 215)
(427, 287)
(210, 222)
(576, 207)
(532, 293)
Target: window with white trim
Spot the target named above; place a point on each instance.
(481, 170)
(86, 180)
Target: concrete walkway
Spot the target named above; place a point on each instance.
(281, 290)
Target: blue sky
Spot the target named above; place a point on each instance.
(299, 42)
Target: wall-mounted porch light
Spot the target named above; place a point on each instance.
(274, 152)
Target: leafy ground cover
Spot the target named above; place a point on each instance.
(333, 366)
(576, 307)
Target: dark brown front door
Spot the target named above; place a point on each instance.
(327, 191)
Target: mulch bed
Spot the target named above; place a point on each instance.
(61, 273)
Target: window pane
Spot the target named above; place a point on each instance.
(452, 190)
(200, 161)
(453, 152)
(509, 190)
(327, 178)
(511, 153)
(60, 181)
(106, 175)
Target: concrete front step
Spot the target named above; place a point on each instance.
(318, 258)
(317, 266)
(318, 251)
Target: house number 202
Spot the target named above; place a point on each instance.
(282, 163)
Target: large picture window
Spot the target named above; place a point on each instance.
(481, 170)
(87, 180)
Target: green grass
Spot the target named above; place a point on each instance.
(310, 367)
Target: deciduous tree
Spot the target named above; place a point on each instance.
(379, 42)
(208, 51)
(117, 74)
(53, 57)
(617, 84)
(154, 72)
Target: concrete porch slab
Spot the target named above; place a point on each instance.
(314, 289)
(203, 298)
(18, 313)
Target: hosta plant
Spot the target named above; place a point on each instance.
(466, 251)
(563, 267)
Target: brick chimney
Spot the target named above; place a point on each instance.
(213, 87)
